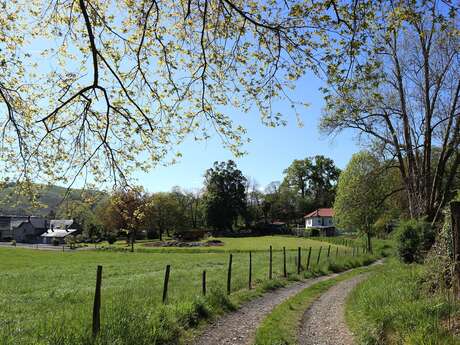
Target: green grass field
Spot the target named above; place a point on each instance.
(46, 297)
(237, 244)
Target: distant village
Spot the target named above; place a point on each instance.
(39, 230)
(34, 230)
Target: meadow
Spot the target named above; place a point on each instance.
(236, 244)
(46, 297)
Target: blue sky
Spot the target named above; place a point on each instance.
(269, 153)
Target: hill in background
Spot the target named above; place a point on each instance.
(44, 203)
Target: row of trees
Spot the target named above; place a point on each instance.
(228, 201)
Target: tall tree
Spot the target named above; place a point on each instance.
(403, 93)
(125, 212)
(361, 194)
(298, 174)
(323, 181)
(190, 204)
(313, 178)
(280, 203)
(253, 201)
(225, 198)
(163, 213)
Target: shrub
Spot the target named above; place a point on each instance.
(111, 238)
(439, 261)
(70, 241)
(13, 243)
(414, 238)
(314, 233)
(190, 235)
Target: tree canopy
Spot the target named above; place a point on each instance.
(99, 88)
(225, 197)
(360, 194)
(163, 213)
(314, 178)
(402, 94)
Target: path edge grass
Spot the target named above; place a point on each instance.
(402, 312)
(281, 326)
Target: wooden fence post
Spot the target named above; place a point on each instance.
(353, 251)
(270, 270)
(329, 251)
(97, 303)
(166, 282)
(203, 283)
(455, 214)
(337, 252)
(250, 271)
(319, 255)
(308, 259)
(229, 275)
(299, 254)
(284, 263)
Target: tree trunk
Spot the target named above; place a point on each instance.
(133, 235)
(369, 243)
(455, 214)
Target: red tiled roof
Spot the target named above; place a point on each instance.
(321, 212)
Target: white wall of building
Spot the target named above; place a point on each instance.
(318, 221)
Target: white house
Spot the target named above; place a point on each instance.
(57, 234)
(59, 229)
(321, 219)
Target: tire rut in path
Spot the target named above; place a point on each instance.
(324, 322)
(239, 327)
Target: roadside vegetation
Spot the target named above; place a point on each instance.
(394, 307)
(411, 300)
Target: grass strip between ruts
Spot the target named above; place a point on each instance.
(281, 326)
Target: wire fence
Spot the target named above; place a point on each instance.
(246, 271)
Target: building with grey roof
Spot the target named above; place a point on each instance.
(22, 228)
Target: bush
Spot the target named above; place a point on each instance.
(439, 261)
(13, 243)
(111, 238)
(314, 233)
(414, 238)
(152, 234)
(70, 241)
(190, 235)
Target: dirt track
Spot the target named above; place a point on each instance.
(324, 322)
(239, 327)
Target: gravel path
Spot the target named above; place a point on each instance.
(324, 322)
(239, 327)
